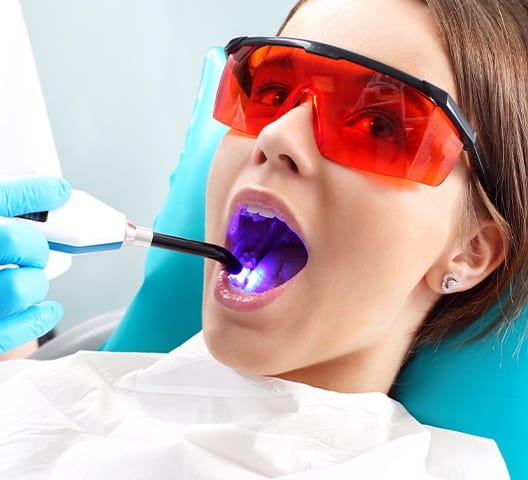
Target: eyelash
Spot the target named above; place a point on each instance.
(267, 86)
(385, 113)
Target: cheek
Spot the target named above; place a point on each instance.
(382, 233)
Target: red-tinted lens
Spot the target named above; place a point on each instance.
(364, 119)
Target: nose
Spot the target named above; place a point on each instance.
(289, 141)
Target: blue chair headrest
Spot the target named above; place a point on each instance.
(479, 388)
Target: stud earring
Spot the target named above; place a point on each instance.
(450, 282)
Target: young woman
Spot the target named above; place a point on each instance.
(371, 216)
(410, 223)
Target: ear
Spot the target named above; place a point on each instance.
(471, 260)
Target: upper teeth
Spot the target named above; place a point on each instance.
(263, 212)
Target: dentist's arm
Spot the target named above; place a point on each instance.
(24, 313)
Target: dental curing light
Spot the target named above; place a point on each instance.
(85, 225)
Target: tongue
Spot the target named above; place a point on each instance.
(278, 266)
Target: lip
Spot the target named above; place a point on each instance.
(229, 297)
(225, 293)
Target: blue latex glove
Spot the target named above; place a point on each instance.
(24, 315)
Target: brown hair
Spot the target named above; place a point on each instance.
(487, 41)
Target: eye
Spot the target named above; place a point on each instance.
(270, 94)
(380, 125)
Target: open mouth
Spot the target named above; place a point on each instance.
(270, 251)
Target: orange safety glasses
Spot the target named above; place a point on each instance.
(366, 115)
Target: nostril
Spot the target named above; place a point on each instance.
(291, 164)
(261, 158)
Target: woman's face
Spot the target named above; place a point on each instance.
(376, 247)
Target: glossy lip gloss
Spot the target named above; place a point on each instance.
(236, 299)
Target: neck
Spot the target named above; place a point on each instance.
(372, 368)
(370, 371)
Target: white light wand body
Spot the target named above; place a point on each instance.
(85, 225)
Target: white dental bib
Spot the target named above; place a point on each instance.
(185, 416)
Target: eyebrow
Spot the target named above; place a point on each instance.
(283, 61)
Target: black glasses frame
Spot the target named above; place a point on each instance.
(439, 97)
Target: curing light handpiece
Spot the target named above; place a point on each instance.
(85, 225)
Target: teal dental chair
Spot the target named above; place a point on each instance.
(481, 388)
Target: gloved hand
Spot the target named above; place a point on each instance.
(24, 315)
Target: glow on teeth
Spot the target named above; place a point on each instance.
(263, 212)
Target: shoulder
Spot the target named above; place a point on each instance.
(456, 455)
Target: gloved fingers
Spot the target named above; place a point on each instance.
(22, 327)
(32, 194)
(22, 245)
(20, 288)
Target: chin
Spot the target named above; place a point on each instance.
(241, 348)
